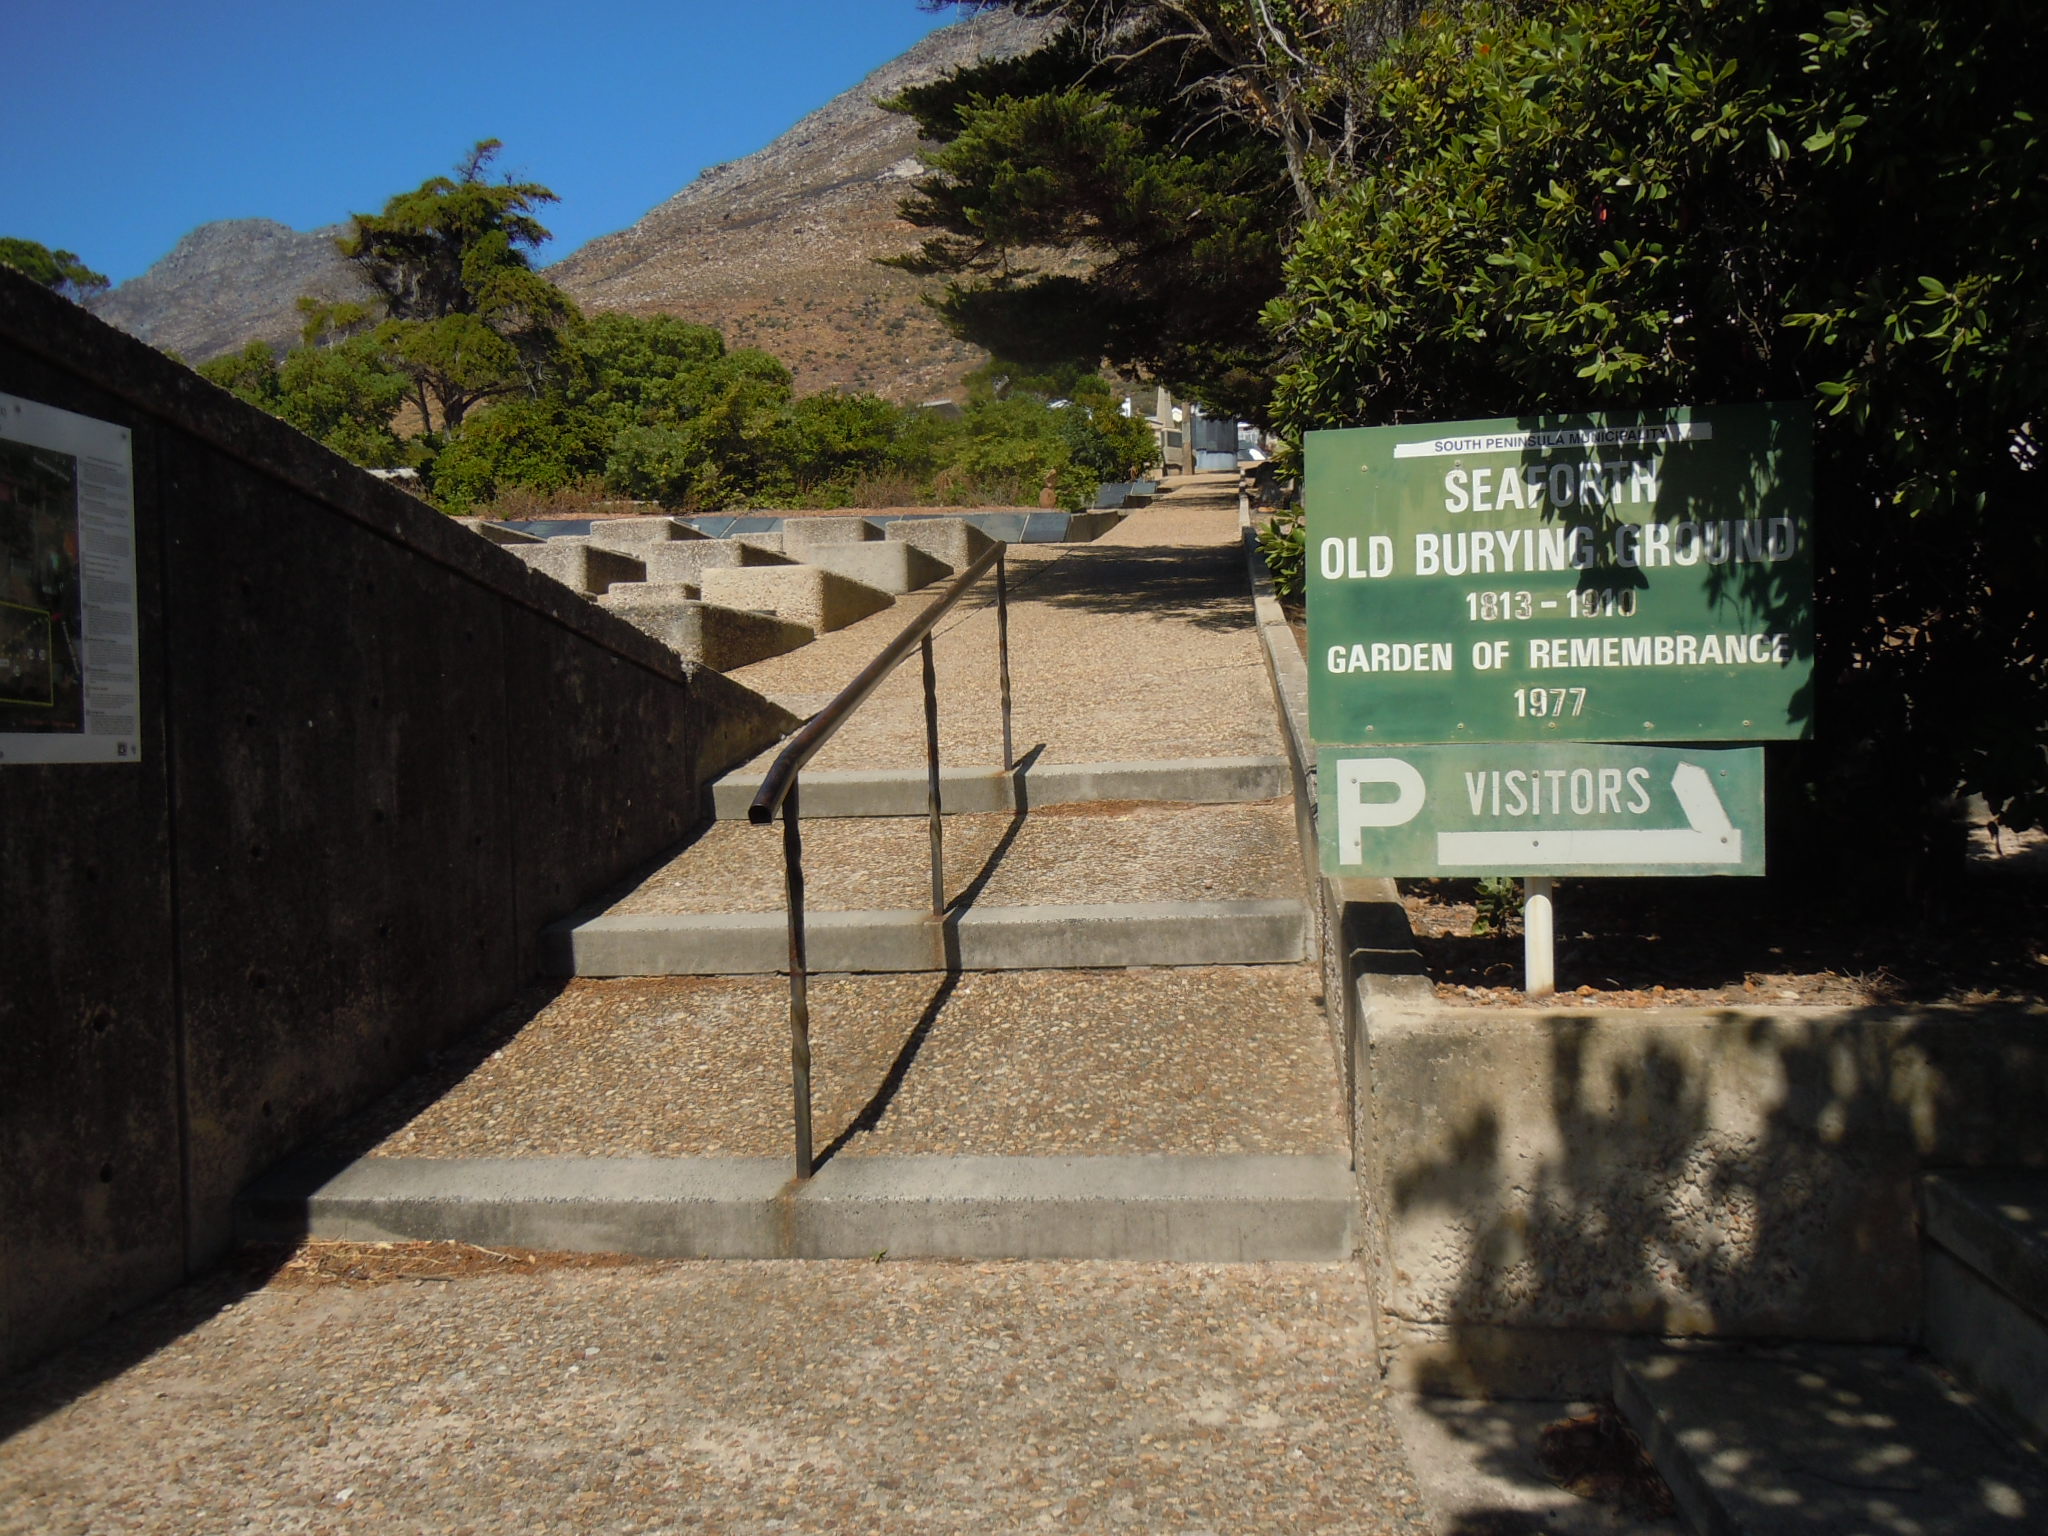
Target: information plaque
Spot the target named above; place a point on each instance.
(69, 673)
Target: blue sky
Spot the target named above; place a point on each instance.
(125, 124)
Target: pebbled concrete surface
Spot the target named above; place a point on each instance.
(726, 1397)
(1060, 855)
(1189, 1060)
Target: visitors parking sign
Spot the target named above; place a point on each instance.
(1610, 577)
(1568, 808)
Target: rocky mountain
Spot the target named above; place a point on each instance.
(776, 250)
(226, 284)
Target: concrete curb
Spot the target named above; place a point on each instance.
(964, 791)
(1165, 1208)
(980, 939)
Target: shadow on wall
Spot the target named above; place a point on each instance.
(1554, 1181)
(376, 756)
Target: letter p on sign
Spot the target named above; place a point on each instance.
(1355, 813)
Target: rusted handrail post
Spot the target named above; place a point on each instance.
(778, 792)
(1003, 659)
(931, 775)
(799, 981)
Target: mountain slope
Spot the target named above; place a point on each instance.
(777, 250)
(228, 283)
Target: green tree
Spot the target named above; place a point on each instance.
(59, 271)
(1641, 202)
(1086, 206)
(467, 317)
(656, 408)
(831, 440)
(344, 394)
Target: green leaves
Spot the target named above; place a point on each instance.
(466, 315)
(1705, 204)
(59, 271)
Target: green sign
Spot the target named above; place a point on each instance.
(1569, 808)
(1609, 577)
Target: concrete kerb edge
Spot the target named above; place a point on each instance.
(1133, 1207)
(1359, 935)
(968, 790)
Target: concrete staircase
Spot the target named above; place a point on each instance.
(1818, 1438)
(1110, 1043)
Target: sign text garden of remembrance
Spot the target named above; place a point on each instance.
(1491, 601)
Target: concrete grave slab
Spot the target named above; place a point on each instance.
(640, 530)
(801, 594)
(952, 541)
(496, 532)
(685, 560)
(720, 638)
(887, 565)
(799, 533)
(580, 565)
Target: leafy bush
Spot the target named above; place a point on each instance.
(1636, 203)
(1282, 540)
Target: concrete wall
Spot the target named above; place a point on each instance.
(1536, 1184)
(1549, 1180)
(378, 755)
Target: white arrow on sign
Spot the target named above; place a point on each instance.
(1708, 837)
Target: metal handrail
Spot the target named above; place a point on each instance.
(779, 792)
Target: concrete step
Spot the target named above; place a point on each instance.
(1185, 1061)
(901, 791)
(1188, 1209)
(1835, 1440)
(1160, 933)
(800, 594)
(495, 532)
(1986, 1279)
(1098, 853)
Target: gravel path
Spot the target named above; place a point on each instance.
(820, 1397)
(1202, 1059)
(1138, 647)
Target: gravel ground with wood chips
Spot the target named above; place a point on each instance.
(391, 1391)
